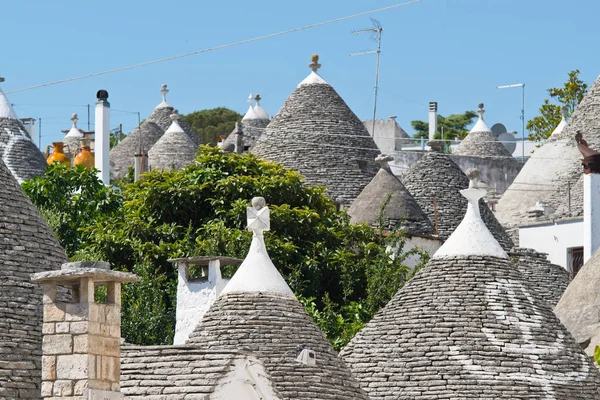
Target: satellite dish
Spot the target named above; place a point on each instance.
(498, 129)
(508, 140)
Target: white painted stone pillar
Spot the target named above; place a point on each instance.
(433, 106)
(195, 294)
(102, 136)
(591, 215)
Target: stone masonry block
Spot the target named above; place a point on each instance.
(79, 327)
(62, 388)
(76, 311)
(52, 313)
(73, 366)
(48, 368)
(57, 344)
(81, 344)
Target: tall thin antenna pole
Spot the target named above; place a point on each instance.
(88, 117)
(40, 133)
(377, 30)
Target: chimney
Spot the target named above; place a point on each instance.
(81, 347)
(591, 187)
(432, 119)
(199, 284)
(140, 165)
(102, 136)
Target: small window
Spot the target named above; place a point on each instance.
(197, 273)
(574, 260)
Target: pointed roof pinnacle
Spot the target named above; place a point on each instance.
(480, 125)
(260, 112)
(257, 273)
(163, 92)
(74, 132)
(471, 237)
(314, 77)
(251, 100)
(175, 127)
(6, 109)
(383, 160)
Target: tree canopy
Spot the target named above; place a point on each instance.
(341, 272)
(212, 123)
(453, 127)
(572, 92)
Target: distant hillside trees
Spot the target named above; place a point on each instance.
(212, 123)
(572, 92)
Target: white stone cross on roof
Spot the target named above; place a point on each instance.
(258, 216)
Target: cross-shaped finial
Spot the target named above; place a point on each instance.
(74, 119)
(258, 216)
(251, 99)
(314, 65)
(257, 98)
(164, 91)
(174, 116)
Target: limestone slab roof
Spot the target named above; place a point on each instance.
(549, 280)
(252, 129)
(172, 372)
(27, 246)
(258, 313)
(271, 326)
(481, 142)
(23, 159)
(401, 210)
(150, 131)
(469, 326)
(436, 176)
(316, 134)
(579, 306)
(174, 150)
(554, 167)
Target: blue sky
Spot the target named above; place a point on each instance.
(454, 52)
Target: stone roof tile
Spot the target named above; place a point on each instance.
(435, 175)
(481, 142)
(27, 246)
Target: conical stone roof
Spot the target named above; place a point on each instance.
(259, 314)
(316, 134)
(122, 156)
(401, 209)
(555, 167)
(481, 142)
(468, 326)
(549, 280)
(436, 177)
(253, 125)
(174, 150)
(27, 246)
(579, 307)
(24, 160)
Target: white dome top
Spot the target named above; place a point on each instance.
(260, 112)
(6, 109)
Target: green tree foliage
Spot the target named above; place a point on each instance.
(572, 92)
(210, 124)
(69, 199)
(453, 126)
(342, 272)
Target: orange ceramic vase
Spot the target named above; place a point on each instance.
(84, 156)
(57, 155)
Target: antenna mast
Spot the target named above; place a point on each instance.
(376, 31)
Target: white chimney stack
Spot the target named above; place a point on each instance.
(102, 136)
(432, 119)
(591, 215)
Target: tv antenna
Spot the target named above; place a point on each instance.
(375, 33)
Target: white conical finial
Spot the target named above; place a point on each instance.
(74, 132)
(480, 125)
(175, 127)
(74, 119)
(257, 274)
(174, 116)
(471, 237)
(314, 77)
(564, 111)
(163, 92)
(251, 100)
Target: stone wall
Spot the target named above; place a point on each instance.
(497, 173)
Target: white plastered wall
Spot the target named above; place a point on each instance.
(554, 238)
